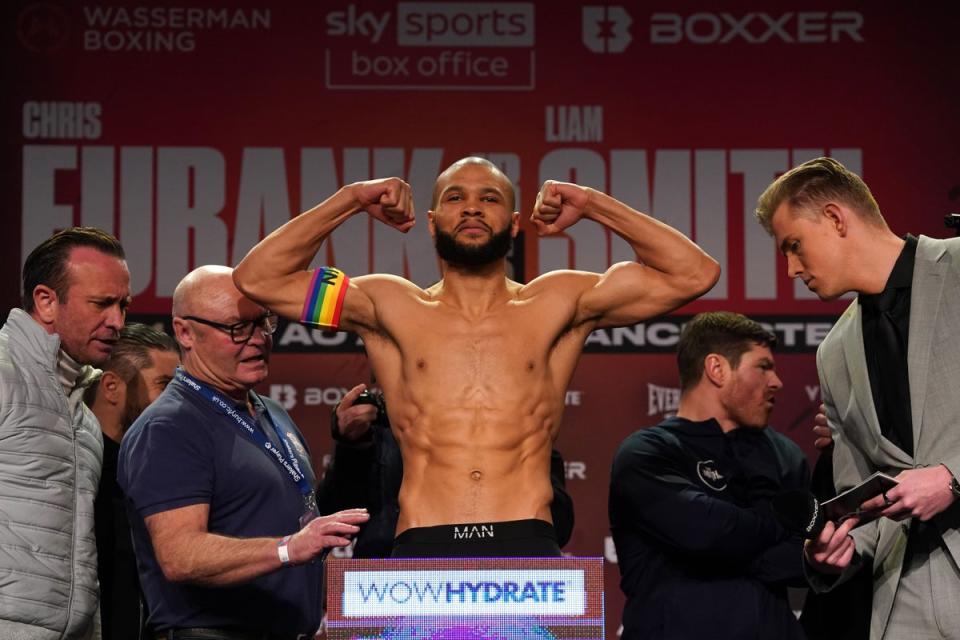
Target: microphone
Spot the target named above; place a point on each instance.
(799, 512)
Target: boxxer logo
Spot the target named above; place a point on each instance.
(284, 394)
(803, 27)
(606, 29)
(288, 397)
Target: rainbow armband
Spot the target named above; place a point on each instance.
(325, 298)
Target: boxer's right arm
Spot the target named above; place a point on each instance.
(275, 272)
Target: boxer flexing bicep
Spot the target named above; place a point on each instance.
(474, 369)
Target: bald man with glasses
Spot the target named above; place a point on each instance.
(220, 492)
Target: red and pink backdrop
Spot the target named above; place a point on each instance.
(192, 129)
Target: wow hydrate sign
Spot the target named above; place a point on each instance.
(539, 598)
(492, 592)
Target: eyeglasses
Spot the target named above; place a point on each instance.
(241, 332)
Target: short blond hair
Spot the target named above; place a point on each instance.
(813, 183)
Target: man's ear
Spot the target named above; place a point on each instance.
(113, 388)
(515, 224)
(431, 224)
(716, 369)
(837, 216)
(46, 304)
(183, 333)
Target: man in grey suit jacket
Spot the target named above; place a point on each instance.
(888, 374)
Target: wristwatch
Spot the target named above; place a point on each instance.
(955, 487)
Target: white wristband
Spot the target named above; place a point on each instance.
(282, 552)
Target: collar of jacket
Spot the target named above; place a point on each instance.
(42, 347)
(709, 428)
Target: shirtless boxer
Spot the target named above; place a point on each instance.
(474, 369)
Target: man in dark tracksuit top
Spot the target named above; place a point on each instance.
(700, 551)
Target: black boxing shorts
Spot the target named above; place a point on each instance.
(513, 539)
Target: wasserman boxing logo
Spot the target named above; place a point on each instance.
(43, 27)
(158, 29)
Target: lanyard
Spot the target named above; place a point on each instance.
(289, 462)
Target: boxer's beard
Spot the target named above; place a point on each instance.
(461, 255)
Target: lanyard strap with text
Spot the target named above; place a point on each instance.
(291, 465)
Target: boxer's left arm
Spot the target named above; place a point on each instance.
(669, 271)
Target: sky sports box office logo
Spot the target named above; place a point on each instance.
(431, 45)
(477, 598)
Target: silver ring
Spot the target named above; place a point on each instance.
(886, 501)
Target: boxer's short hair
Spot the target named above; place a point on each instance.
(721, 332)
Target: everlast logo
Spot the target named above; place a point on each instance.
(471, 531)
(662, 399)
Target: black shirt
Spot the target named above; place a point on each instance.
(891, 396)
(116, 563)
